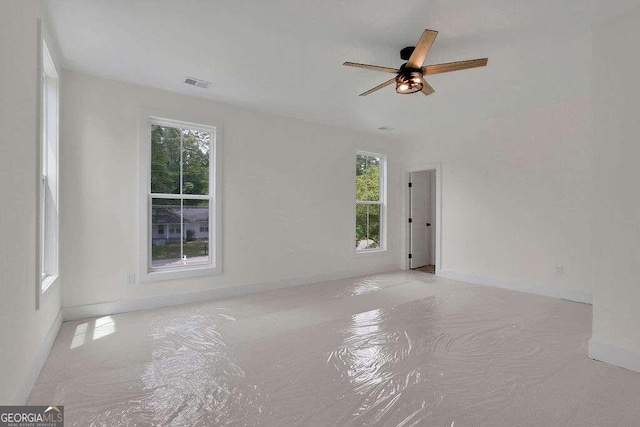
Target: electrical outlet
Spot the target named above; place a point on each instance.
(131, 278)
(559, 270)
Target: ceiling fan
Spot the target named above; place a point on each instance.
(410, 76)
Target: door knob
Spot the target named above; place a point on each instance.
(428, 224)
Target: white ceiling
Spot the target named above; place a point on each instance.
(285, 56)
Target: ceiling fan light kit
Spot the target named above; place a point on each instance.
(410, 76)
(408, 81)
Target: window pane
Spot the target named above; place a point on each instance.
(48, 149)
(165, 246)
(367, 227)
(195, 161)
(374, 226)
(361, 227)
(196, 232)
(367, 178)
(165, 159)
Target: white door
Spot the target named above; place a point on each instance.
(419, 218)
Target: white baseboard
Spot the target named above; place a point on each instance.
(614, 355)
(575, 296)
(123, 306)
(36, 365)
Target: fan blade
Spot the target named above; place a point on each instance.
(380, 86)
(422, 49)
(454, 66)
(426, 88)
(372, 67)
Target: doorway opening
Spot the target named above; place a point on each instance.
(423, 221)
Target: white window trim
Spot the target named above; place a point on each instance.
(148, 116)
(382, 203)
(47, 246)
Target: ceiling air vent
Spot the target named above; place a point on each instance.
(197, 82)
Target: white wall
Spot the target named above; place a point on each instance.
(517, 197)
(23, 329)
(288, 194)
(616, 310)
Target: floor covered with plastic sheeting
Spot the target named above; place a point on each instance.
(397, 349)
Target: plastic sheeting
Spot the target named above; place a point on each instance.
(400, 349)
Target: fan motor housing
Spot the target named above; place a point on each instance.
(405, 53)
(404, 70)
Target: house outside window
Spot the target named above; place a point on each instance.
(181, 203)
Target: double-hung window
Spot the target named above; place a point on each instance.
(180, 211)
(370, 209)
(48, 174)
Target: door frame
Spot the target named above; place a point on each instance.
(406, 236)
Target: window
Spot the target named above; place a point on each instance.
(179, 200)
(370, 202)
(48, 177)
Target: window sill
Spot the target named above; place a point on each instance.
(370, 252)
(178, 273)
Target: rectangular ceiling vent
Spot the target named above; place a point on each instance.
(197, 82)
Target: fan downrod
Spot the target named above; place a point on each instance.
(405, 53)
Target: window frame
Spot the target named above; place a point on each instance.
(382, 203)
(145, 272)
(47, 173)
